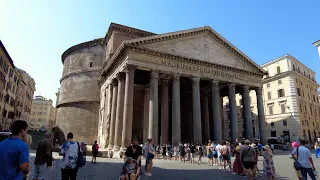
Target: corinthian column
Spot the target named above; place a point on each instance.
(164, 111)
(216, 111)
(146, 100)
(128, 107)
(119, 112)
(205, 118)
(262, 122)
(247, 113)
(233, 113)
(197, 130)
(153, 107)
(114, 85)
(176, 116)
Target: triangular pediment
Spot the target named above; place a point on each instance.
(202, 44)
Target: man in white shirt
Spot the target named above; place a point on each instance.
(218, 149)
(305, 160)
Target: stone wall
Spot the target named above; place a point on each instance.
(79, 96)
(79, 118)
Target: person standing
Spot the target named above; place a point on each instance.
(218, 149)
(14, 153)
(215, 153)
(95, 152)
(225, 152)
(43, 158)
(193, 153)
(272, 148)
(182, 152)
(69, 151)
(268, 166)
(169, 151)
(303, 156)
(176, 153)
(149, 157)
(237, 166)
(317, 149)
(260, 148)
(247, 159)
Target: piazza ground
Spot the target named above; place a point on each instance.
(109, 169)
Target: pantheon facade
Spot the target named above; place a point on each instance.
(168, 87)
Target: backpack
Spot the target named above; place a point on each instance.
(94, 148)
(81, 161)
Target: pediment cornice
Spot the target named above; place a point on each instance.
(196, 31)
(124, 48)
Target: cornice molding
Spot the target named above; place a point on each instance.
(93, 43)
(285, 74)
(125, 29)
(71, 103)
(94, 71)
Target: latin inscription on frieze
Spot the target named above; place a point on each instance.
(201, 70)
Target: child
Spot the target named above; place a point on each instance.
(129, 170)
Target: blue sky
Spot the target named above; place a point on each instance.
(36, 33)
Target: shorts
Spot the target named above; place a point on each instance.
(220, 157)
(248, 165)
(215, 156)
(149, 156)
(95, 154)
(193, 155)
(182, 154)
(40, 171)
(210, 156)
(226, 157)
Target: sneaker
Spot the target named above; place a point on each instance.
(234, 173)
(220, 167)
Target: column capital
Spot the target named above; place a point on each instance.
(147, 91)
(176, 77)
(114, 82)
(164, 82)
(215, 82)
(259, 90)
(232, 86)
(129, 68)
(121, 76)
(195, 81)
(246, 89)
(154, 74)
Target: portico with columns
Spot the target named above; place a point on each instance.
(169, 87)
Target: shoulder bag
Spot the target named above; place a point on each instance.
(296, 163)
(243, 155)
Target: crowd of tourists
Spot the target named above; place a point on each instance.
(15, 157)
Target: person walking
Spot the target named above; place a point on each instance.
(218, 149)
(317, 149)
(28, 140)
(43, 158)
(14, 153)
(169, 151)
(215, 153)
(209, 154)
(176, 153)
(247, 159)
(200, 153)
(95, 152)
(303, 156)
(70, 152)
(193, 153)
(268, 166)
(272, 148)
(182, 152)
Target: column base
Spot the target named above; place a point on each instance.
(123, 149)
(110, 147)
(116, 148)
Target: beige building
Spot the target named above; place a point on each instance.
(42, 114)
(291, 101)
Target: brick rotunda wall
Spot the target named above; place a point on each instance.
(78, 106)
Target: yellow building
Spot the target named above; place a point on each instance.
(42, 114)
(291, 102)
(8, 88)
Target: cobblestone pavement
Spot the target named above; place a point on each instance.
(109, 169)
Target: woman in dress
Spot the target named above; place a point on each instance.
(237, 166)
(268, 166)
